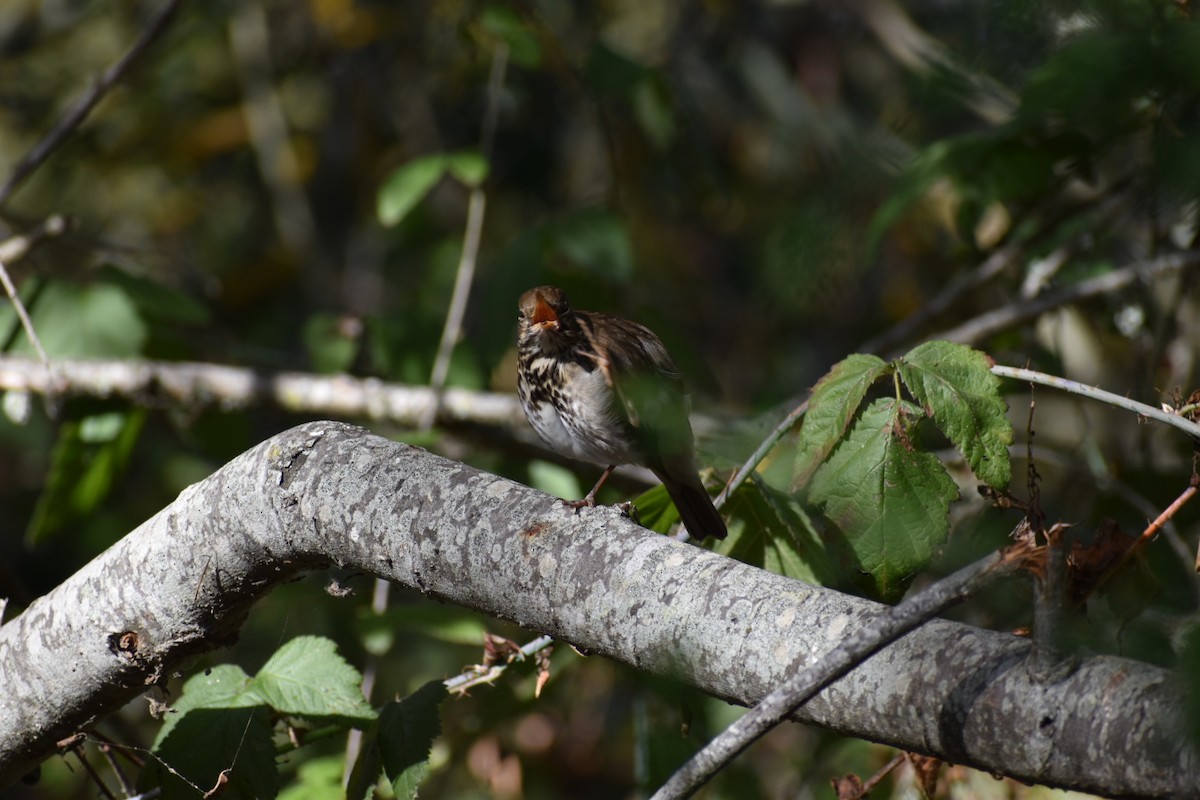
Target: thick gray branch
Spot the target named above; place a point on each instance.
(327, 493)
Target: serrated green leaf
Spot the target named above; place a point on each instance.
(308, 678)
(890, 499)
(212, 745)
(834, 402)
(406, 733)
(224, 686)
(407, 186)
(956, 385)
(469, 167)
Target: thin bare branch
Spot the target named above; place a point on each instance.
(1032, 376)
(470, 249)
(1000, 319)
(804, 683)
(75, 115)
(196, 385)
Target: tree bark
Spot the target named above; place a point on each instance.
(327, 494)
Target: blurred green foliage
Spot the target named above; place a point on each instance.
(766, 185)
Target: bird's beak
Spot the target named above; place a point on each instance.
(544, 316)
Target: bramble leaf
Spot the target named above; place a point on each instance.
(834, 402)
(890, 499)
(957, 387)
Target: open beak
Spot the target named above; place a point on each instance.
(544, 317)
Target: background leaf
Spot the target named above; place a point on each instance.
(407, 186)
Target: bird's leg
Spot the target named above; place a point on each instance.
(589, 499)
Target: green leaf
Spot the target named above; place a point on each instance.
(406, 733)
(469, 167)
(224, 686)
(211, 745)
(956, 385)
(407, 186)
(834, 402)
(89, 456)
(769, 528)
(656, 510)
(596, 240)
(96, 321)
(890, 499)
(308, 678)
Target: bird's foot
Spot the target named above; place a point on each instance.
(586, 502)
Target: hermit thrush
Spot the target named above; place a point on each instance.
(603, 389)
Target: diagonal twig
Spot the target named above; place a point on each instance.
(75, 116)
(470, 251)
(802, 685)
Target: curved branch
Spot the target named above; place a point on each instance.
(327, 493)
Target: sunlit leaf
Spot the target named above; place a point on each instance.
(831, 407)
(469, 167)
(956, 384)
(307, 677)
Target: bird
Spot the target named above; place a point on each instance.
(603, 389)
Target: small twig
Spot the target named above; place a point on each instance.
(75, 116)
(91, 771)
(480, 675)
(880, 774)
(107, 751)
(26, 323)
(1009, 316)
(1162, 519)
(1032, 376)
(756, 458)
(465, 276)
(993, 265)
(379, 605)
(853, 650)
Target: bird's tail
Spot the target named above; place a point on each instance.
(696, 508)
